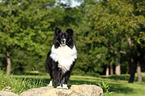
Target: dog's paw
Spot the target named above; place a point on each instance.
(58, 87)
(50, 84)
(65, 86)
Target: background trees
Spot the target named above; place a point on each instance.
(23, 28)
(108, 34)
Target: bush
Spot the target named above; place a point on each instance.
(105, 87)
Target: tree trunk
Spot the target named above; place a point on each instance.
(117, 69)
(139, 73)
(132, 64)
(8, 64)
(132, 69)
(107, 71)
(111, 68)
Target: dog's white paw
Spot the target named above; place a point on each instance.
(50, 84)
(65, 86)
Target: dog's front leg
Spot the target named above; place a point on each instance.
(58, 76)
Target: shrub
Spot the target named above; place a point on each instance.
(105, 87)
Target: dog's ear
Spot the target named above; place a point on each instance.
(57, 30)
(70, 32)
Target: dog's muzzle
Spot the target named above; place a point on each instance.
(63, 41)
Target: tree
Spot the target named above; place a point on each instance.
(113, 23)
(136, 40)
(22, 26)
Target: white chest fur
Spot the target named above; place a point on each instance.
(64, 56)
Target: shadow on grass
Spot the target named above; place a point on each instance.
(36, 74)
(119, 88)
(122, 77)
(116, 77)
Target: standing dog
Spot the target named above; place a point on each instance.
(61, 59)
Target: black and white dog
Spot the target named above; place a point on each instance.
(61, 59)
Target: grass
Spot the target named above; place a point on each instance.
(117, 85)
(18, 84)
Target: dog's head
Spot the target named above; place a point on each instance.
(63, 37)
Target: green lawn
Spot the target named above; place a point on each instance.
(118, 85)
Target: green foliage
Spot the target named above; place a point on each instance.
(111, 23)
(22, 61)
(23, 25)
(26, 27)
(102, 29)
(105, 87)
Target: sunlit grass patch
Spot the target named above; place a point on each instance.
(18, 85)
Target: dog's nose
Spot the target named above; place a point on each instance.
(63, 41)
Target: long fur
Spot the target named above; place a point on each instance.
(61, 59)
